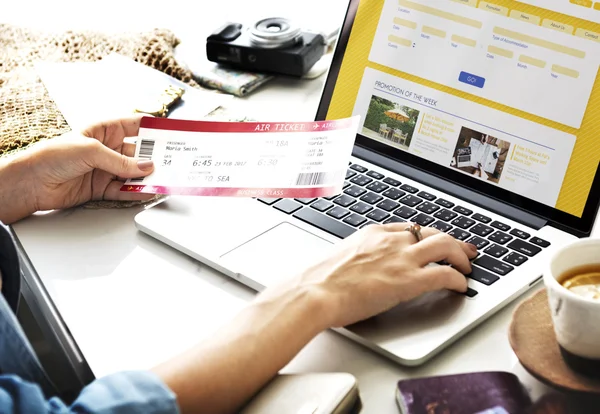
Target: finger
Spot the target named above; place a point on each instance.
(128, 147)
(425, 231)
(440, 247)
(112, 132)
(113, 192)
(469, 249)
(442, 277)
(117, 164)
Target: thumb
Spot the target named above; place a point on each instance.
(121, 165)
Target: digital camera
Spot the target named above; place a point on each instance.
(272, 45)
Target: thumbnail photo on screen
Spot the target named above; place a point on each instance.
(480, 155)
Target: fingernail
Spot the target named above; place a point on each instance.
(472, 248)
(145, 164)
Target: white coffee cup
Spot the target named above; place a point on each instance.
(576, 319)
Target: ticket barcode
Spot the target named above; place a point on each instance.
(318, 178)
(147, 148)
(146, 151)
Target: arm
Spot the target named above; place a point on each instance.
(370, 272)
(16, 199)
(219, 375)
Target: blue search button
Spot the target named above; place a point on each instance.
(470, 79)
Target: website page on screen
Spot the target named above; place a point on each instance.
(505, 91)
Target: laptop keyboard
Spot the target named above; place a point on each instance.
(370, 198)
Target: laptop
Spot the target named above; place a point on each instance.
(517, 77)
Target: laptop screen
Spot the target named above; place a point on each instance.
(500, 96)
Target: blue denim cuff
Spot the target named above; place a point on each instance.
(129, 392)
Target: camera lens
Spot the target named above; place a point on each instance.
(274, 33)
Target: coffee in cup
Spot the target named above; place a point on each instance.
(583, 281)
(572, 279)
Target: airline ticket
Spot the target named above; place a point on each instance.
(244, 159)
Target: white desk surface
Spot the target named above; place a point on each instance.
(131, 302)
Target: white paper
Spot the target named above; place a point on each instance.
(88, 92)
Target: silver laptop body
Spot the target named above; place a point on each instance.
(261, 242)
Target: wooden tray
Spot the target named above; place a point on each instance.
(532, 338)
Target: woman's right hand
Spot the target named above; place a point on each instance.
(383, 265)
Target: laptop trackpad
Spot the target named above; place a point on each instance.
(278, 253)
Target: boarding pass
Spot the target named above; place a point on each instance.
(244, 159)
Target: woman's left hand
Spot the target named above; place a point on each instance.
(92, 165)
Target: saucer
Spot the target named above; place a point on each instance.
(532, 338)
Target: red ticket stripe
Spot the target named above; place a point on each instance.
(234, 192)
(170, 124)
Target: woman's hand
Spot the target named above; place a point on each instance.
(383, 265)
(78, 167)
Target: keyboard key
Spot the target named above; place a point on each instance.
(480, 217)
(482, 276)
(388, 205)
(391, 181)
(444, 203)
(269, 201)
(428, 208)
(378, 215)
(377, 187)
(463, 211)
(441, 226)
(375, 175)
(411, 200)
(371, 198)
(287, 206)
(494, 265)
(346, 184)
(394, 220)
(426, 196)
(355, 191)
(361, 208)
(470, 293)
(496, 251)
(344, 201)
(405, 212)
(325, 223)
(482, 230)
(539, 242)
(355, 220)
(359, 168)
(368, 223)
(515, 259)
(350, 174)
(361, 180)
(322, 205)
(331, 197)
(500, 226)
(338, 212)
(463, 222)
(445, 215)
(423, 219)
(305, 200)
(523, 247)
(409, 188)
(520, 234)
(478, 242)
(500, 238)
(459, 234)
(394, 193)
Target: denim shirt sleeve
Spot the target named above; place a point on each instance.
(130, 392)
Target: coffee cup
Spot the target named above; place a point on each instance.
(570, 279)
